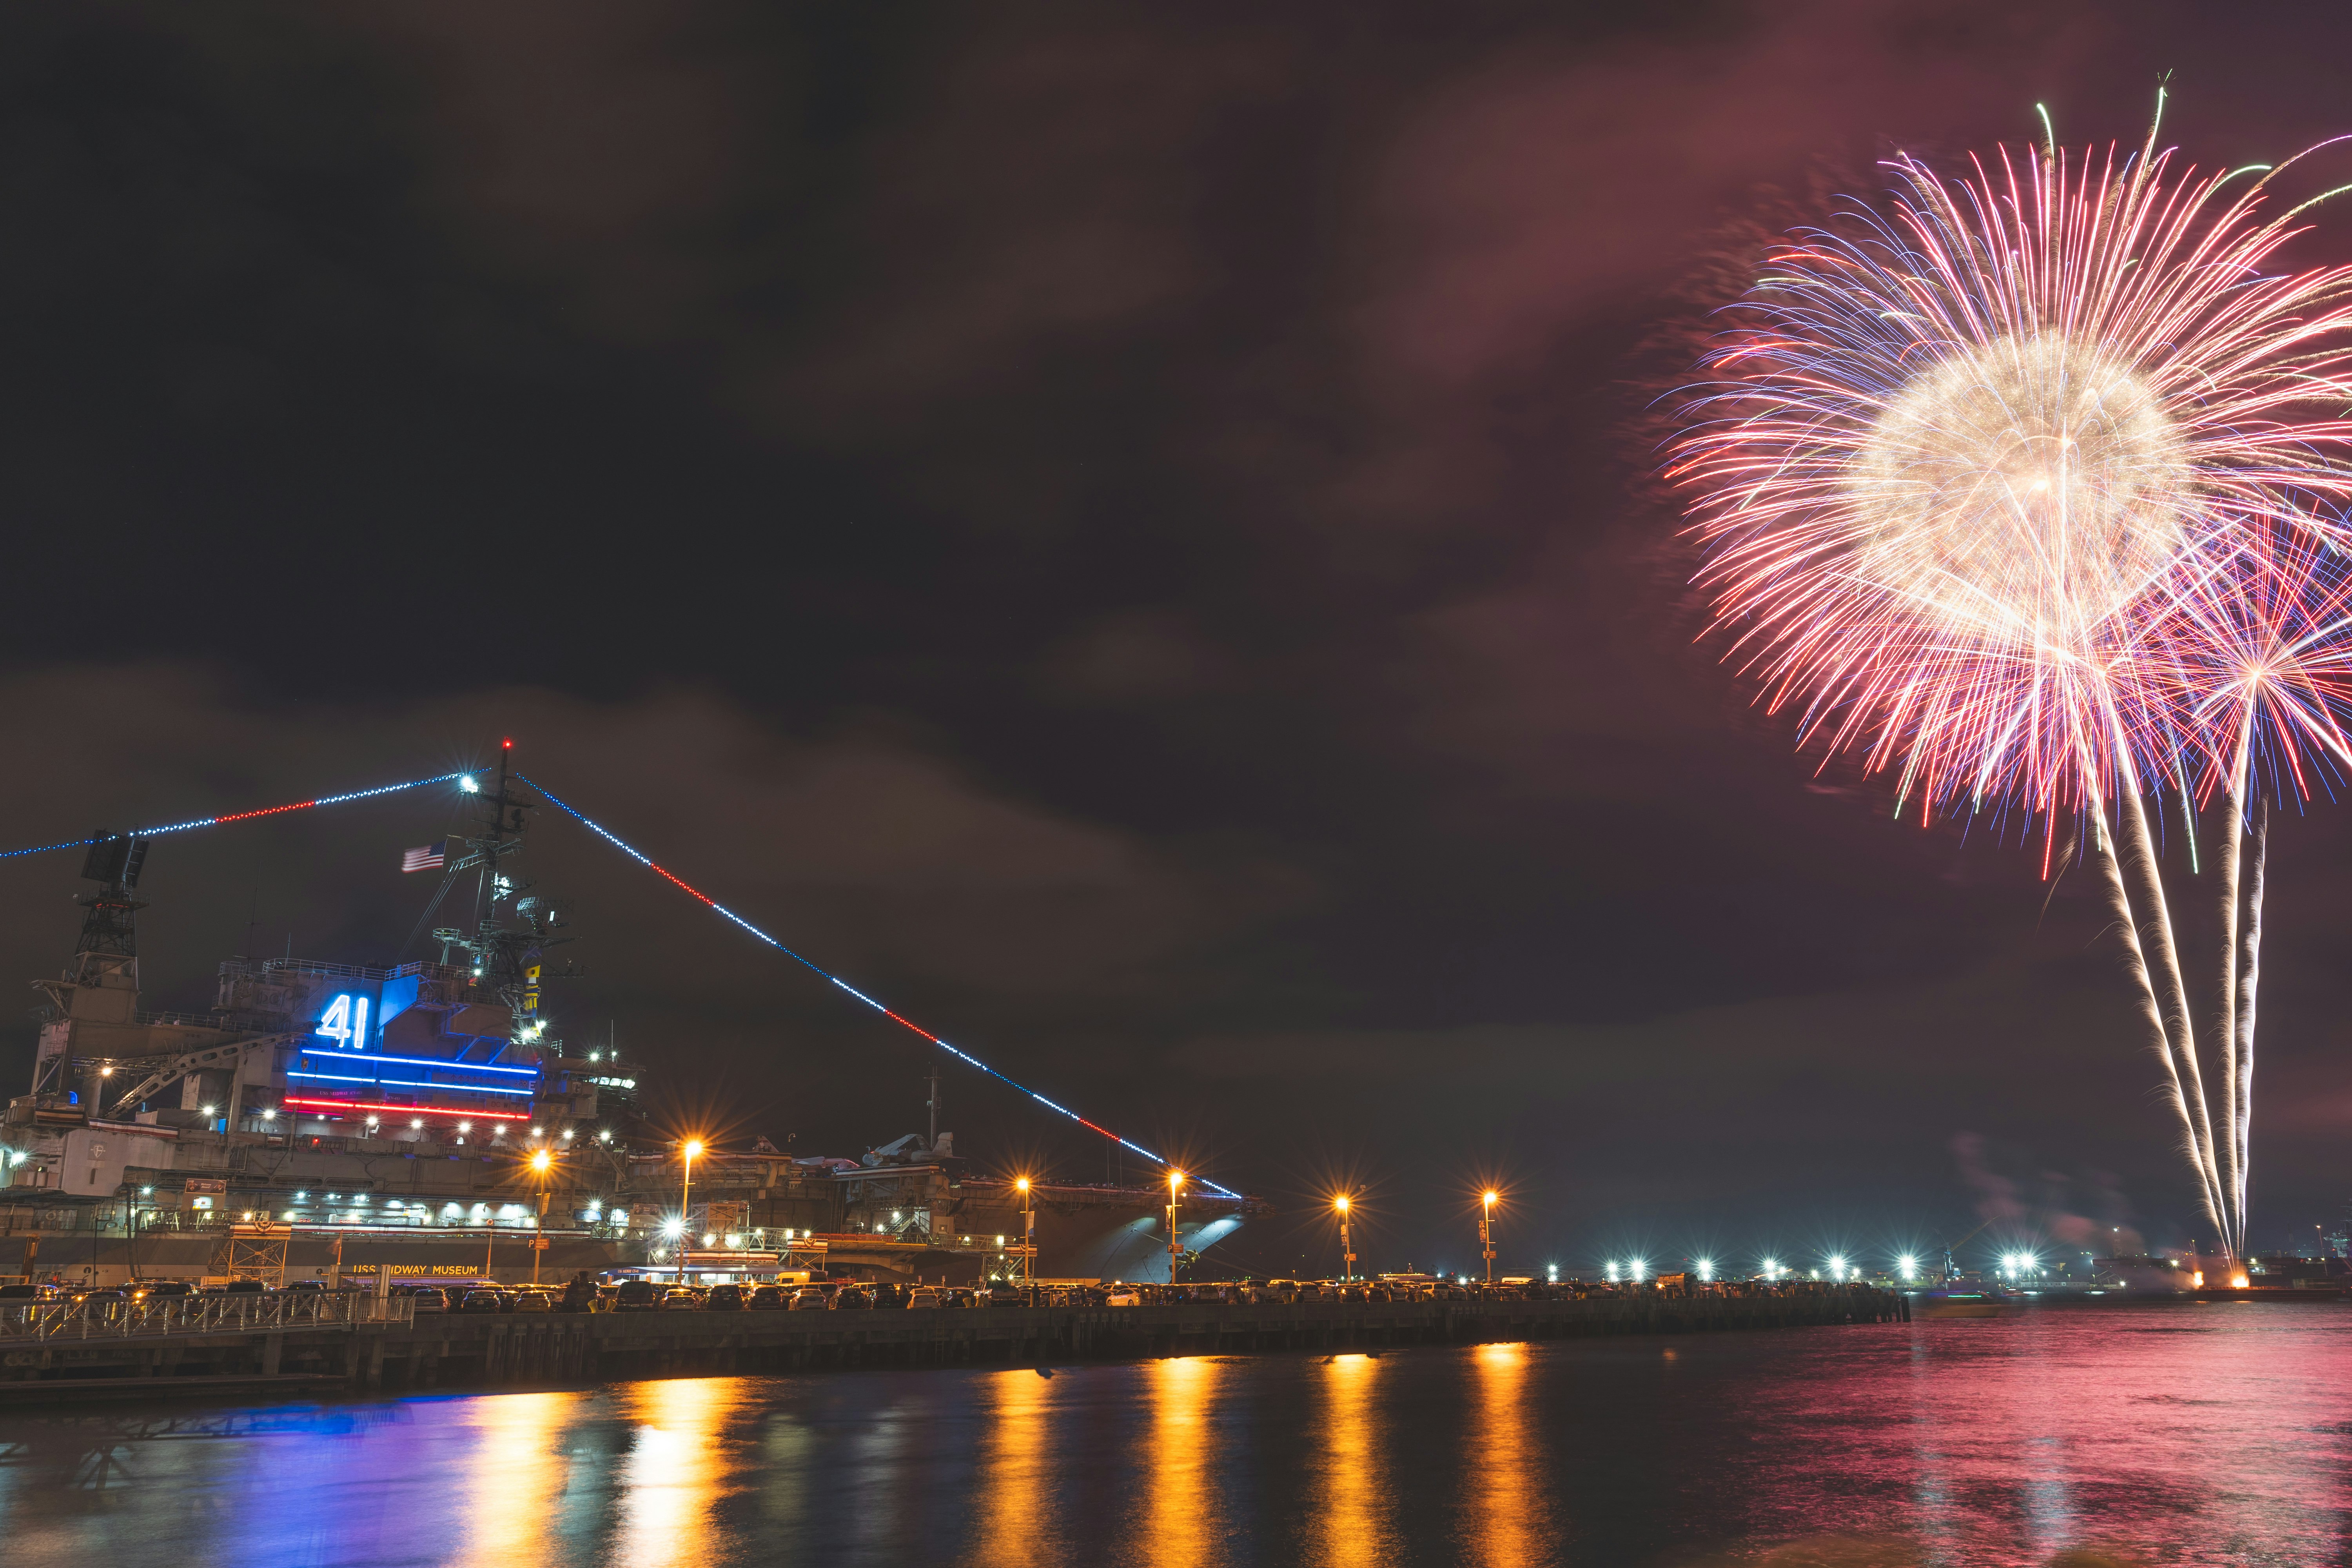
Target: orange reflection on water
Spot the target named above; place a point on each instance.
(1351, 1510)
(1182, 1516)
(674, 1473)
(1504, 1503)
(1010, 1519)
(518, 1475)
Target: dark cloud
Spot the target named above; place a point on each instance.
(1133, 537)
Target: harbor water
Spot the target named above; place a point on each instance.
(2073, 1435)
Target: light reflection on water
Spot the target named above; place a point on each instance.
(2160, 1435)
(1505, 1509)
(519, 1477)
(673, 1480)
(1010, 1519)
(1183, 1515)
(1350, 1503)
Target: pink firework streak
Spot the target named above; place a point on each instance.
(2029, 489)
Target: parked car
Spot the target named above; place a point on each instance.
(1123, 1296)
(681, 1298)
(850, 1298)
(428, 1297)
(923, 1296)
(724, 1299)
(533, 1301)
(637, 1296)
(767, 1299)
(807, 1299)
(163, 1291)
(483, 1302)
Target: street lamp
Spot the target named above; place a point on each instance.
(1028, 1239)
(1175, 1247)
(1487, 1230)
(685, 1190)
(1347, 1248)
(539, 1165)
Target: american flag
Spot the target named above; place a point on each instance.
(428, 859)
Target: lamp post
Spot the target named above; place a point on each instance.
(1487, 1230)
(1347, 1249)
(1175, 1247)
(1028, 1239)
(686, 1191)
(539, 1163)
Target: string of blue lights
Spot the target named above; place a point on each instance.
(242, 815)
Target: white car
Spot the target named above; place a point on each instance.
(1124, 1296)
(922, 1296)
(807, 1299)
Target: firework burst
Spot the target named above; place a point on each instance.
(2026, 489)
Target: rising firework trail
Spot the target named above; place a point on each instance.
(2026, 489)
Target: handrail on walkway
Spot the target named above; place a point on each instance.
(42, 1321)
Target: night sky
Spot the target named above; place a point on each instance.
(1123, 531)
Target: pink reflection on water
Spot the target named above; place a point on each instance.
(2158, 1434)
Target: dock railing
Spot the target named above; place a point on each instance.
(40, 1322)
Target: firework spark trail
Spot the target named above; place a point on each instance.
(2128, 927)
(2028, 489)
(2241, 1045)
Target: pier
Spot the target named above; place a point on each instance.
(237, 1358)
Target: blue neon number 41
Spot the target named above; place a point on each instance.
(345, 1023)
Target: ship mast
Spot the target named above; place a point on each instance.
(505, 958)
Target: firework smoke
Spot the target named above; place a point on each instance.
(2027, 489)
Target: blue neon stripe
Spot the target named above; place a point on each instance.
(412, 1061)
(411, 1083)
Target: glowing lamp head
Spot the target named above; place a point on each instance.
(1340, 1202)
(540, 1161)
(467, 784)
(1488, 1198)
(672, 1226)
(1175, 1179)
(1022, 1185)
(693, 1148)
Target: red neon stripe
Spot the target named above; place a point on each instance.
(414, 1109)
(264, 811)
(707, 899)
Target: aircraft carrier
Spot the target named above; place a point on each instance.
(336, 1122)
